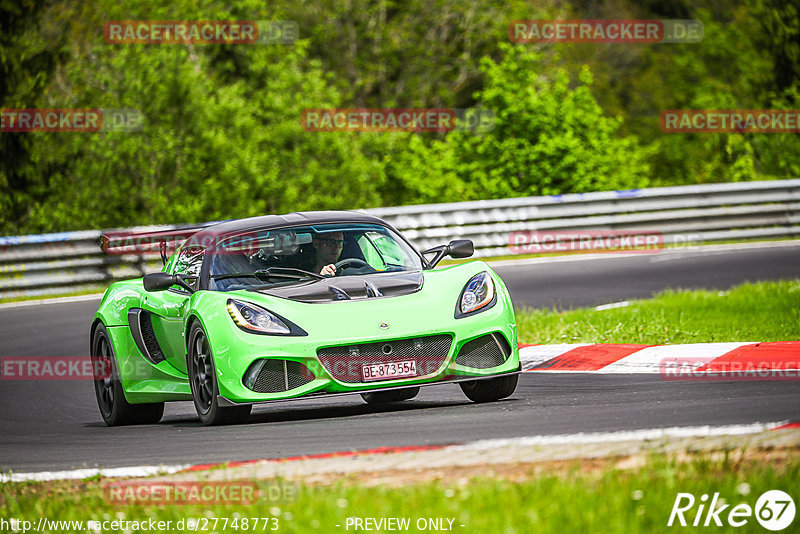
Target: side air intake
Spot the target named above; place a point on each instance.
(141, 326)
(484, 352)
(276, 376)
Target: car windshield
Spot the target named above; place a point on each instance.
(275, 257)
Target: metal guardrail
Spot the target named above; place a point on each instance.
(49, 264)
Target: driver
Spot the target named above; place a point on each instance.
(328, 247)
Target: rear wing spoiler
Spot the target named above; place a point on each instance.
(148, 240)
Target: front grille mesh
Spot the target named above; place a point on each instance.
(484, 352)
(276, 375)
(345, 362)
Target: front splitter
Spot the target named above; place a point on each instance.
(225, 402)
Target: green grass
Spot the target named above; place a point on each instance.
(765, 311)
(605, 500)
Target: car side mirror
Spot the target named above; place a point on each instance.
(457, 248)
(461, 248)
(159, 281)
(162, 281)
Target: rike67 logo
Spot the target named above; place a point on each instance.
(774, 510)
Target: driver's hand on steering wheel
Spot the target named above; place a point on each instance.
(328, 270)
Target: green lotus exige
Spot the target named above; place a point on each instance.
(297, 306)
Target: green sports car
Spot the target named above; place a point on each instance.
(303, 305)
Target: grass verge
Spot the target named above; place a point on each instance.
(764, 311)
(608, 499)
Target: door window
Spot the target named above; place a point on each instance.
(189, 263)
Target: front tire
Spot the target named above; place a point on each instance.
(203, 381)
(394, 395)
(491, 389)
(114, 408)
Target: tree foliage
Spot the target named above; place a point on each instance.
(222, 136)
(550, 137)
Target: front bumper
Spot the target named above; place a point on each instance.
(235, 351)
(225, 402)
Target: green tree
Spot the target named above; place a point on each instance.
(31, 46)
(550, 137)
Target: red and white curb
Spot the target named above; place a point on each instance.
(323, 456)
(783, 356)
(398, 457)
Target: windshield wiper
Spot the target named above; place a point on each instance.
(276, 272)
(290, 271)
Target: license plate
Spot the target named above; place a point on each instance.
(385, 371)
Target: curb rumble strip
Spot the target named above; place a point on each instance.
(699, 358)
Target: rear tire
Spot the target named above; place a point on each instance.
(394, 395)
(491, 389)
(203, 381)
(114, 408)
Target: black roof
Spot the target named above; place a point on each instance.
(300, 218)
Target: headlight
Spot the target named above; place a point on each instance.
(478, 295)
(252, 318)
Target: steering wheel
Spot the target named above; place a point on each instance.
(355, 262)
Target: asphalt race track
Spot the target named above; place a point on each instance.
(54, 425)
